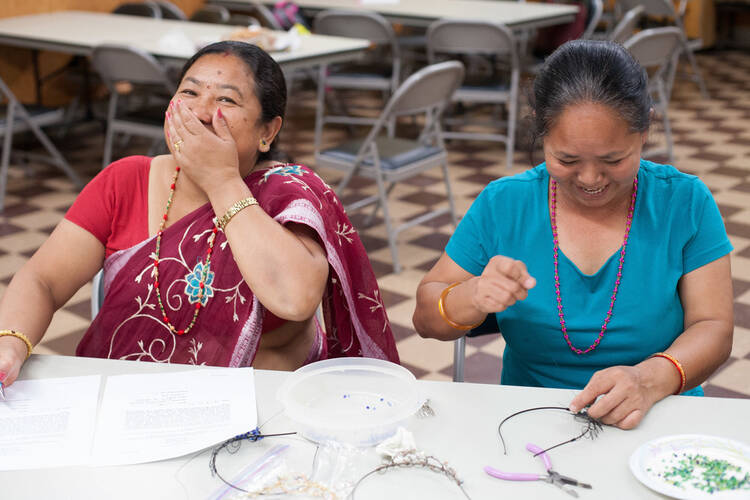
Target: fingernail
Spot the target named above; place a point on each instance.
(169, 115)
(2, 376)
(218, 113)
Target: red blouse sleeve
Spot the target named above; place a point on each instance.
(114, 205)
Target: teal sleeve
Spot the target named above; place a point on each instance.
(710, 240)
(468, 245)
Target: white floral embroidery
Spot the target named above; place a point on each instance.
(343, 231)
(378, 304)
(194, 348)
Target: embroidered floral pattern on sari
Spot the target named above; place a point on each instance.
(193, 281)
(283, 170)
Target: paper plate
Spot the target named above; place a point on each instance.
(693, 466)
(358, 401)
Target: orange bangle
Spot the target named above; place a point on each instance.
(678, 365)
(441, 308)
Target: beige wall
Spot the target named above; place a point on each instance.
(16, 64)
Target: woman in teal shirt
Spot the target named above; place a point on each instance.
(606, 272)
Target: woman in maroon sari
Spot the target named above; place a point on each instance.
(214, 254)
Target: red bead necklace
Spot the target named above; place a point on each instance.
(553, 206)
(206, 266)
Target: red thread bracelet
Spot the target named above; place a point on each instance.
(678, 365)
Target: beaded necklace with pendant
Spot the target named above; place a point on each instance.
(206, 266)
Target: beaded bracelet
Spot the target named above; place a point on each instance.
(21, 336)
(441, 308)
(678, 365)
(232, 211)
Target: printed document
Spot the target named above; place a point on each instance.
(142, 417)
(48, 423)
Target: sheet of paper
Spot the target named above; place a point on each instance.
(48, 423)
(144, 418)
(375, 2)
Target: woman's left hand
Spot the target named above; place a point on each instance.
(625, 396)
(208, 157)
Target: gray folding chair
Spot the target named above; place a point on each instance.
(264, 15)
(19, 119)
(625, 28)
(657, 50)
(488, 327)
(378, 72)
(497, 46)
(596, 9)
(243, 20)
(388, 159)
(117, 63)
(215, 14)
(170, 11)
(97, 293)
(143, 9)
(666, 9)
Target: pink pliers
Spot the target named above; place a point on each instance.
(551, 477)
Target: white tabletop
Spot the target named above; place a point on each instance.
(422, 12)
(463, 432)
(78, 32)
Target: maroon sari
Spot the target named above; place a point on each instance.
(227, 332)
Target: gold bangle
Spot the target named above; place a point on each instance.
(21, 336)
(678, 365)
(441, 308)
(232, 211)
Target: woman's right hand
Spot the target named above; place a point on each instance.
(503, 282)
(12, 356)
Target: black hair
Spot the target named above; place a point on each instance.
(270, 85)
(590, 71)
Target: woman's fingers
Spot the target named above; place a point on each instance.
(616, 397)
(511, 268)
(186, 120)
(598, 385)
(631, 420)
(174, 141)
(503, 282)
(10, 365)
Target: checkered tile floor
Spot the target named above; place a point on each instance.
(712, 140)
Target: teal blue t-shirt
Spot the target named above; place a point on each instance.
(676, 229)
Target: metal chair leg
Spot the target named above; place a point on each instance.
(459, 356)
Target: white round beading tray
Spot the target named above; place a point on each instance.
(358, 401)
(652, 459)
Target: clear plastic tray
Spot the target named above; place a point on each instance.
(358, 401)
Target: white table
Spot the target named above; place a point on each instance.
(517, 15)
(78, 32)
(463, 432)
